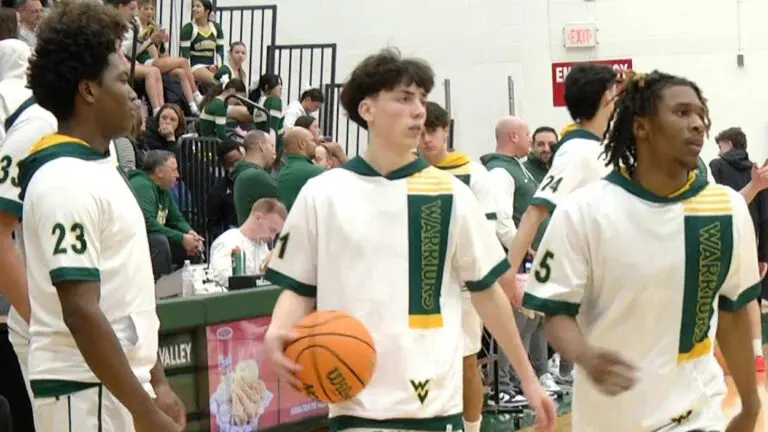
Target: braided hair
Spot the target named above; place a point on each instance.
(637, 96)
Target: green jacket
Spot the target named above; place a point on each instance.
(293, 176)
(525, 186)
(537, 168)
(161, 214)
(252, 183)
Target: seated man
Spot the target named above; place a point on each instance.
(251, 179)
(169, 234)
(252, 237)
(299, 166)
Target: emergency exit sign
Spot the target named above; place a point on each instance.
(580, 35)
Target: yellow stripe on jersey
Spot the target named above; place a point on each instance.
(425, 321)
(54, 139)
(459, 170)
(713, 200)
(430, 181)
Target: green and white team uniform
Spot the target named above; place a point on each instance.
(213, 119)
(25, 126)
(578, 162)
(481, 184)
(645, 275)
(411, 238)
(201, 49)
(225, 73)
(82, 223)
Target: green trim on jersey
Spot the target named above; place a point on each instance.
(359, 166)
(289, 283)
(13, 208)
(433, 424)
(547, 204)
(429, 226)
(749, 294)
(708, 253)
(701, 168)
(573, 134)
(695, 184)
(19, 110)
(550, 307)
(45, 388)
(213, 119)
(492, 276)
(71, 274)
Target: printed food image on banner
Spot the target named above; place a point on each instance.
(245, 392)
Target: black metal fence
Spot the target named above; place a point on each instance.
(255, 26)
(198, 172)
(338, 126)
(301, 67)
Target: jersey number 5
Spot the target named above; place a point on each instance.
(543, 270)
(551, 183)
(78, 246)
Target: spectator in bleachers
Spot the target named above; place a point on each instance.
(267, 94)
(154, 38)
(202, 42)
(164, 130)
(233, 67)
(253, 238)
(30, 15)
(9, 24)
(171, 239)
(153, 79)
(327, 154)
(251, 179)
(309, 102)
(220, 200)
(299, 165)
(126, 146)
(215, 109)
(14, 58)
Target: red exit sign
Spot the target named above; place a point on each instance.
(580, 35)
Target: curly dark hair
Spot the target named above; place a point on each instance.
(437, 117)
(638, 96)
(383, 71)
(585, 86)
(73, 44)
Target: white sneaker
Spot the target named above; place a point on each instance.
(549, 384)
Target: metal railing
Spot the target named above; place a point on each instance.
(198, 172)
(255, 26)
(301, 67)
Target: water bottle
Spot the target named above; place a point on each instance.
(187, 280)
(238, 261)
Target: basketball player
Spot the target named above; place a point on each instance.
(93, 350)
(614, 313)
(434, 148)
(409, 235)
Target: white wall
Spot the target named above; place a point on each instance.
(477, 44)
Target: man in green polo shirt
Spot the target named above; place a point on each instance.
(299, 167)
(251, 179)
(540, 157)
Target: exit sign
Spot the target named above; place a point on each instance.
(580, 35)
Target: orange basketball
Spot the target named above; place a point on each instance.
(336, 353)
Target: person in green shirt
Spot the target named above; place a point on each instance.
(299, 166)
(251, 179)
(233, 68)
(267, 94)
(540, 157)
(213, 118)
(169, 234)
(202, 42)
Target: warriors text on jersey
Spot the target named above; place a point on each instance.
(410, 239)
(644, 275)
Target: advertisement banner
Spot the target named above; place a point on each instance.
(560, 71)
(245, 392)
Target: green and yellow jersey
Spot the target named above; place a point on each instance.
(213, 119)
(202, 48)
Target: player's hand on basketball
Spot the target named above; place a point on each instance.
(170, 404)
(611, 373)
(155, 421)
(543, 405)
(275, 341)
